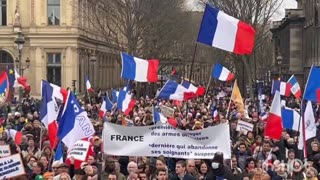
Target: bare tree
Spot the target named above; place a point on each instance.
(146, 28)
(258, 13)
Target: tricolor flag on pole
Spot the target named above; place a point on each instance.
(49, 112)
(139, 70)
(225, 32)
(282, 87)
(173, 91)
(74, 123)
(125, 102)
(105, 106)
(157, 116)
(290, 119)
(274, 127)
(308, 128)
(88, 85)
(222, 73)
(294, 87)
(312, 90)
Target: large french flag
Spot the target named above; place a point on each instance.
(125, 102)
(222, 73)
(137, 69)
(274, 124)
(49, 112)
(225, 32)
(312, 91)
(282, 87)
(57, 92)
(290, 119)
(74, 123)
(189, 86)
(294, 87)
(173, 91)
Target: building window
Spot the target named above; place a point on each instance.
(54, 68)
(53, 12)
(3, 12)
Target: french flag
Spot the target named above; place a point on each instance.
(57, 92)
(222, 73)
(74, 123)
(215, 114)
(88, 85)
(274, 126)
(105, 106)
(125, 102)
(189, 86)
(59, 153)
(49, 112)
(15, 80)
(312, 90)
(173, 91)
(115, 95)
(225, 32)
(290, 119)
(264, 116)
(294, 87)
(282, 87)
(157, 116)
(14, 134)
(139, 70)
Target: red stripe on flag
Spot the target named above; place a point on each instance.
(273, 127)
(152, 75)
(18, 137)
(230, 76)
(52, 134)
(244, 42)
(130, 107)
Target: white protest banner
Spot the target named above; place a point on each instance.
(166, 111)
(166, 140)
(11, 166)
(79, 150)
(5, 150)
(244, 126)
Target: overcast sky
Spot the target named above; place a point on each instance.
(287, 4)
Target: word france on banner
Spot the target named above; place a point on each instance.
(79, 150)
(244, 126)
(166, 111)
(5, 150)
(166, 140)
(11, 166)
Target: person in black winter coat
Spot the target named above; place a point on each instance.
(218, 170)
(181, 172)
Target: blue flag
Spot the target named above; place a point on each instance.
(74, 123)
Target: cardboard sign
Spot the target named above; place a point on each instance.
(79, 150)
(11, 166)
(5, 150)
(244, 126)
(157, 140)
(166, 111)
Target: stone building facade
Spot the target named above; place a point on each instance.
(296, 39)
(59, 44)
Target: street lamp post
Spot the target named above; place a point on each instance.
(279, 62)
(19, 41)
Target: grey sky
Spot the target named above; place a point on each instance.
(287, 4)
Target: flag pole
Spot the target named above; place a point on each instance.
(304, 149)
(208, 85)
(230, 99)
(89, 97)
(193, 59)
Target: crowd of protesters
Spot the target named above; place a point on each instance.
(251, 158)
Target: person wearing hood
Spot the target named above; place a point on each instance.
(219, 171)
